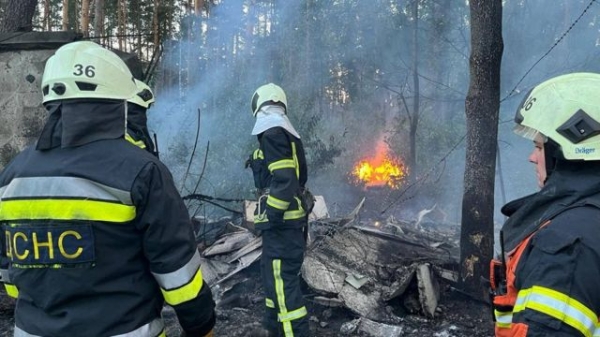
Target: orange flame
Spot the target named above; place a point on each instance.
(380, 170)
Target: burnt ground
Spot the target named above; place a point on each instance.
(459, 315)
(240, 311)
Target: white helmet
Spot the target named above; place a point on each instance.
(565, 109)
(84, 69)
(144, 96)
(268, 93)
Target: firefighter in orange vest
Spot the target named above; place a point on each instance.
(545, 282)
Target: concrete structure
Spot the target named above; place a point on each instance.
(22, 60)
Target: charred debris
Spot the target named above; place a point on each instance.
(379, 272)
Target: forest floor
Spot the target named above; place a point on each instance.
(237, 315)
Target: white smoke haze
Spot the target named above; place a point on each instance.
(346, 67)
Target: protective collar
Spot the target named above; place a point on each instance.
(137, 126)
(74, 122)
(270, 116)
(572, 184)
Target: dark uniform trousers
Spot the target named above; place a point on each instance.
(283, 253)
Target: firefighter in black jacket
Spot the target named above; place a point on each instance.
(547, 283)
(97, 236)
(279, 168)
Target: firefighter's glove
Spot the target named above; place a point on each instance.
(248, 162)
(275, 216)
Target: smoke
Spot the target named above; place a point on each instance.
(347, 67)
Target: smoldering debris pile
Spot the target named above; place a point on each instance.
(379, 270)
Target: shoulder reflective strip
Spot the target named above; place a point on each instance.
(5, 275)
(559, 306)
(295, 157)
(292, 315)
(181, 276)
(269, 303)
(137, 143)
(185, 293)
(258, 154)
(277, 203)
(279, 292)
(154, 328)
(65, 210)
(63, 187)
(11, 290)
(282, 164)
(503, 318)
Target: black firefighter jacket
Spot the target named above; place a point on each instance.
(280, 171)
(96, 235)
(556, 276)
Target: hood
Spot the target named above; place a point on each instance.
(572, 184)
(74, 123)
(270, 116)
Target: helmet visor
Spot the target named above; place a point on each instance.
(526, 131)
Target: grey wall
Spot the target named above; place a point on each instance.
(21, 112)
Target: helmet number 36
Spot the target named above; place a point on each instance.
(88, 71)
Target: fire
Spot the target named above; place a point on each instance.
(382, 169)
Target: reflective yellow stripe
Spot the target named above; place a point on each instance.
(292, 315)
(185, 293)
(11, 290)
(258, 154)
(277, 203)
(260, 218)
(287, 325)
(295, 157)
(137, 143)
(559, 306)
(293, 215)
(269, 303)
(282, 164)
(69, 209)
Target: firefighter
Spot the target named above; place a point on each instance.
(97, 236)
(137, 126)
(280, 173)
(545, 282)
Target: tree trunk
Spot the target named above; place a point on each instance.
(121, 24)
(155, 31)
(18, 16)
(99, 18)
(65, 15)
(198, 7)
(414, 120)
(482, 105)
(85, 17)
(47, 22)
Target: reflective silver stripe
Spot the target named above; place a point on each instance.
(559, 306)
(5, 276)
(503, 318)
(181, 276)
(63, 187)
(151, 329)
